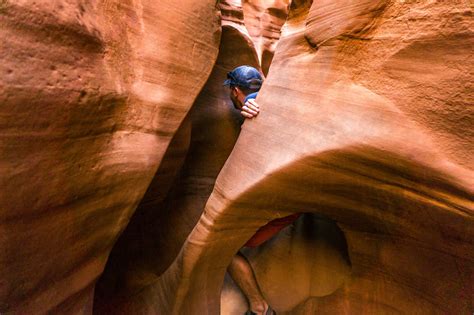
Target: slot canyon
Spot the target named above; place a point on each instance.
(129, 181)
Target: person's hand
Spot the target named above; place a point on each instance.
(250, 109)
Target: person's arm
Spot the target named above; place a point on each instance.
(250, 109)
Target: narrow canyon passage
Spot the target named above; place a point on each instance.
(129, 181)
(177, 195)
(348, 130)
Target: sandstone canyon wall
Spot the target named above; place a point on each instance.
(366, 120)
(176, 197)
(91, 94)
(264, 19)
(109, 129)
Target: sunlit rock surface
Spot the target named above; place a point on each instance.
(176, 197)
(260, 20)
(264, 19)
(91, 94)
(366, 120)
(366, 126)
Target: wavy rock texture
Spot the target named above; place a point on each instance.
(365, 127)
(261, 20)
(176, 197)
(264, 20)
(92, 93)
(365, 120)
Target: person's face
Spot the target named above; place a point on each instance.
(237, 97)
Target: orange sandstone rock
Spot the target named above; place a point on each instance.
(260, 20)
(91, 94)
(264, 19)
(365, 120)
(365, 126)
(167, 214)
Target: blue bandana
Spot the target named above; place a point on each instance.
(244, 76)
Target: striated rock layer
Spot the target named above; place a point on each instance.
(264, 20)
(365, 127)
(365, 120)
(92, 93)
(177, 194)
(260, 20)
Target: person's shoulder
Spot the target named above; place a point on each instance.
(251, 96)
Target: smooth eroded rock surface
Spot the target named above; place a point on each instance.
(109, 129)
(264, 20)
(177, 194)
(364, 120)
(92, 93)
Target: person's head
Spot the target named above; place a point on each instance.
(243, 81)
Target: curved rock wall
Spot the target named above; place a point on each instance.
(365, 126)
(176, 196)
(355, 125)
(92, 93)
(261, 20)
(264, 20)
(307, 258)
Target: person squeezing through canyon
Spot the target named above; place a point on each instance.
(244, 83)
